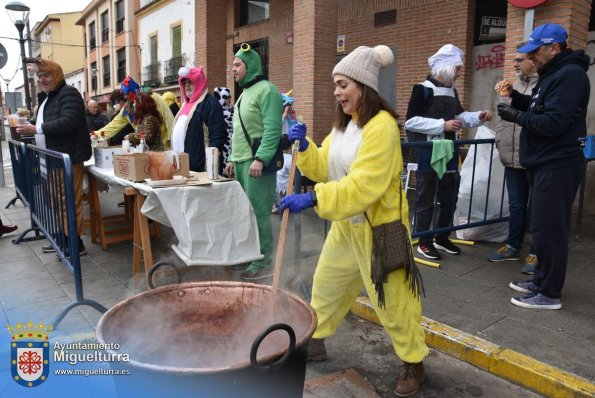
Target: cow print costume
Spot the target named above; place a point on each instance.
(221, 94)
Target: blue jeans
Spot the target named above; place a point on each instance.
(518, 198)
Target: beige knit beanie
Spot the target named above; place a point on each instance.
(364, 63)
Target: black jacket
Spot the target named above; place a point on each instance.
(209, 113)
(64, 123)
(95, 122)
(555, 114)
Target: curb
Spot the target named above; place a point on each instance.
(510, 365)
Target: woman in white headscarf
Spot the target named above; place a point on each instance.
(435, 113)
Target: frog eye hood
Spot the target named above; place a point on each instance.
(252, 61)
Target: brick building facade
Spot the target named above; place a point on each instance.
(302, 42)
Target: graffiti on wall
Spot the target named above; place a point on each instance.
(492, 60)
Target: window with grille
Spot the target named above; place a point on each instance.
(46, 35)
(176, 41)
(385, 18)
(107, 76)
(252, 11)
(153, 50)
(104, 27)
(121, 54)
(120, 16)
(92, 37)
(94, 73)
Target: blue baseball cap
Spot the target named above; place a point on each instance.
(545, 34)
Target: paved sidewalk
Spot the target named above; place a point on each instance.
(467, 293)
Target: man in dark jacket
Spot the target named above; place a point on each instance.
(61, 126)
(553, 119)
(95, 118)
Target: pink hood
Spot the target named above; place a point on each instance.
(198, 77)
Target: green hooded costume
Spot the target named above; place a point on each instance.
(261, 107)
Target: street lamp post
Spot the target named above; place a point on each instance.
(31, 75)
(19, 14)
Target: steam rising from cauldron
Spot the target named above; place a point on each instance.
(201, 328)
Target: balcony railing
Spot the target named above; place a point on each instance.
(172, 66)
(151, 75)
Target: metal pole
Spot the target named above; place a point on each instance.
(20, 26)
(2, 182)
(31, 79)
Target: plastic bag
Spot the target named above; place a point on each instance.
(497, 232)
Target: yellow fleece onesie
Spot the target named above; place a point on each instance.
(345, 188)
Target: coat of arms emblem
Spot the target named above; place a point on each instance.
(30, 353)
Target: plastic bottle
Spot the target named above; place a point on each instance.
(125, 146)
(102, 143)
(142, 147)
(93, 140)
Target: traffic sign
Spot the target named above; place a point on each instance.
(526, 3)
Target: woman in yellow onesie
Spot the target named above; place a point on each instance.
(357, 170)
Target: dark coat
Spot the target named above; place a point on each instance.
(96, 122)
(555, 114)
(174, 108)
(210, 113)
(64, 123)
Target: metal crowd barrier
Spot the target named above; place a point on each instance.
(424, 149)
(22, 184)
(52, 204)
(17, 151)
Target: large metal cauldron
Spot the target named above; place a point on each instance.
(197, 339)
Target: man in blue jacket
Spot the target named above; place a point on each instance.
(553, 119)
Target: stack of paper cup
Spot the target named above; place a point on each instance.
(212, 160)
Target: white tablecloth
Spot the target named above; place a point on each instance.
(215, 224)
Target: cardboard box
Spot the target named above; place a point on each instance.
(135, 166)
(104, 156)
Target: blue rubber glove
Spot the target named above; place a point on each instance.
(297, 202)
(298, 132)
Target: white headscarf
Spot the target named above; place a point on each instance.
(447, 55)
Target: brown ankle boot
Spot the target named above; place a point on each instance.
(6, 229)
(316, 350)
(410, 379)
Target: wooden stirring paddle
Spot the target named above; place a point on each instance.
(283, 230)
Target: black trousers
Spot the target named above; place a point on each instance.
(553, 192)
(445, 190)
